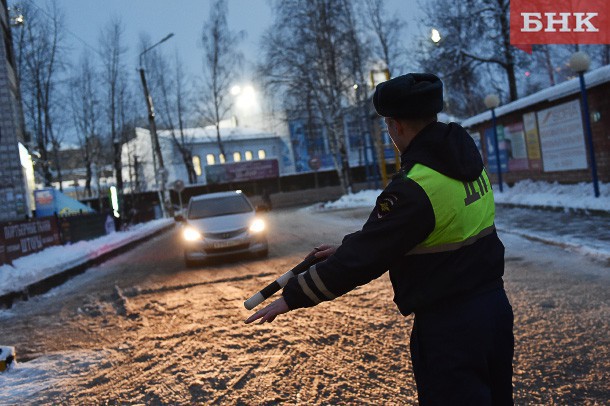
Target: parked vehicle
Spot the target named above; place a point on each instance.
(220, 224)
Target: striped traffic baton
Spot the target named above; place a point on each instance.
(280, 282)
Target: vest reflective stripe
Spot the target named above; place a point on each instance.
(451, 246)
(463, 211)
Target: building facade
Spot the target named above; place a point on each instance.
(544, 136)
(141, 169)
(15, 162)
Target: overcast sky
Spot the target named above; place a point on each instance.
(184, 18)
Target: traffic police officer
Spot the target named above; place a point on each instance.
(433, 229)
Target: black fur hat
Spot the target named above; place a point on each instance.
(413, 95)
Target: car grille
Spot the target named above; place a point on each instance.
(227, 249)
(225, 235)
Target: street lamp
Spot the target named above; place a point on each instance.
(435, 36)
(153, 127)
(579, 63)
(491, 102)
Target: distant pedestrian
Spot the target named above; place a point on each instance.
(433, 229)
(266, 197)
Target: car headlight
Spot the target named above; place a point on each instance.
(191, 234)
(257, 226)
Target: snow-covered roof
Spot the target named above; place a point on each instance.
(208, 134)
(594, 78)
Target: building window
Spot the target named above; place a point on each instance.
(197, 165)
(248, 155)
(236, 157)
(261, 154)
(210, 159)
(221, 158)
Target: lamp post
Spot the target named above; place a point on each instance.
(491, 102)
(579, 63)
(153, 129)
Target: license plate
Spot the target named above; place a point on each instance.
(225, 244)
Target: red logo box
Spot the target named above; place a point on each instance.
(559, 22)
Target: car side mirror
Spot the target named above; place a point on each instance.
(261, 208)
(179, 217)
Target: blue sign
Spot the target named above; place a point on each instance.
(51, 201)
(490, 142)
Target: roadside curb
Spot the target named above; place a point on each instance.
(603, 213)
(44, 285)
(564, 245)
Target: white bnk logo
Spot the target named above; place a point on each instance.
(532, 22)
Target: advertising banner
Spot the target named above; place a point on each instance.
(26, 237)
(242, 171)
(51, 201)
(530, 126)
(492, 166)
(562, 138)
(45, 202)
(515, 147)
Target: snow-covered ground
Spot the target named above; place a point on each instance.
(55, 370)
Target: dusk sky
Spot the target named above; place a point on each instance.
(184, 18)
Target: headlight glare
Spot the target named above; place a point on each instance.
(191, 234)
(257, 226)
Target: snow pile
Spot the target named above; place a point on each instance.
(544, 194)
(23, 380)
(53, 260)
(365, 198)
(524, 193)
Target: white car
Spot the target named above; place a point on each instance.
(219, 224)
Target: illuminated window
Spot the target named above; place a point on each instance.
(221, 158)
(261, 154)
(236, 157)
(197, 165)
(211, 159)
(248, 155)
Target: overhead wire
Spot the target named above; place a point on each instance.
(43, 11)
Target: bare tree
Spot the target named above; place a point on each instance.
(475, 36)
(313, 50)
(38, 48)
(221, 61)
(114, 81)
(387, 32)
(85, 104)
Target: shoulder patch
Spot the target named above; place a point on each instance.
(385, 203)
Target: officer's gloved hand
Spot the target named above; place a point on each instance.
(323, 251)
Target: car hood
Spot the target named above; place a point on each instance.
(223, 223)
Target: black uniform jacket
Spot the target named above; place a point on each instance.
(402, 218)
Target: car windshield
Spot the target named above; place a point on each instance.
(219, 206)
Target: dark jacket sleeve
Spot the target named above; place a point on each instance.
(402, 218)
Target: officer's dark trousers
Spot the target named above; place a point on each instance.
(462, 352)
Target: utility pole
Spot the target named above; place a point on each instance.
(153, 130)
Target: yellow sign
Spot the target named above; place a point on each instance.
(530, 126)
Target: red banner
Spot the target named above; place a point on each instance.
(559, 22)
(25, 237)
(242, 171)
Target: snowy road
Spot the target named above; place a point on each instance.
(143, 329)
